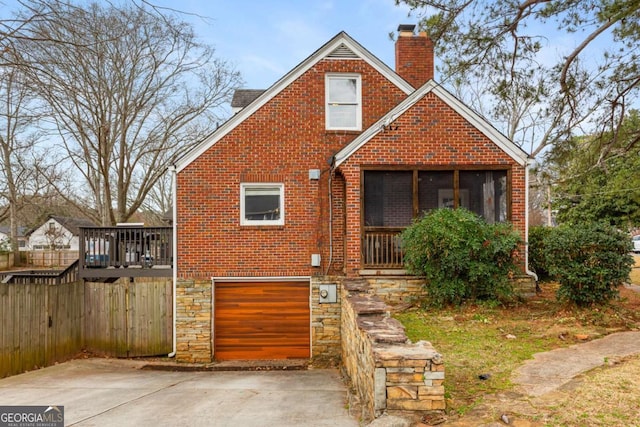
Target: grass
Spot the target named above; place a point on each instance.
(484, 339)
(607, 396)
(475, 341)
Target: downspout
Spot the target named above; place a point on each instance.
(526, 223)
(331, 170)
(174, 250)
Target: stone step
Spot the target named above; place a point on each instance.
(383, 329)
(364, 305)
(356, 285)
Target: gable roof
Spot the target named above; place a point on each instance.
(340, 46)
(71, 224)
(243, 97)
(504, 143)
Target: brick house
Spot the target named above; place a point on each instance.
(310, 183)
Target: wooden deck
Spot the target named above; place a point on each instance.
(125, 251)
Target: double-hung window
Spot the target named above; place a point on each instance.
(262, 204)
(343, 102)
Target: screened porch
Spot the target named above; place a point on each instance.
(393, 198)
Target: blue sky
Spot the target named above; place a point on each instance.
(265, 39)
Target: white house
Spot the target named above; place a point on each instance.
(58, 233)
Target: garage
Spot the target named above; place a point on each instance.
(261, 320)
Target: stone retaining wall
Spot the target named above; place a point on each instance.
(397, 290)
(387, 371)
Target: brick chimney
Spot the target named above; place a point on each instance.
(414, 56)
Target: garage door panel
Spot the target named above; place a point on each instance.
(258, 330)
(244, 353)
(281, 326)
(261, 320)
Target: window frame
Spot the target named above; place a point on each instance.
(253, 222)
(358, 102)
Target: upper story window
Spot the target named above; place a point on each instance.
(344, 102)
(261, 204)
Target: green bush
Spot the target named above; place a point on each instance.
(537, 263)
(589, 260)
(461, 256)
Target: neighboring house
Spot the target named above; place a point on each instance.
(311, 183)
(57, 233)
(5, 235)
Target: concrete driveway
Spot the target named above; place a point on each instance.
(112, 392)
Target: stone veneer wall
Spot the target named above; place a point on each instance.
(405, 289)
(397, 290)
(325, 321)
(193, 321)
(387, 371)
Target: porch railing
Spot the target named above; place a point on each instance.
(382, 249)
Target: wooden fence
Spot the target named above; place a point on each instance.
(60, 258)
(41, 324)
(6, 260)
(126, 319)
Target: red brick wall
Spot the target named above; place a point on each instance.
(278, 143)
(429, 134)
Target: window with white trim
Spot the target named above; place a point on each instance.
(343, 102)
(261, 204)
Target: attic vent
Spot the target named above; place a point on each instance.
(341, 52)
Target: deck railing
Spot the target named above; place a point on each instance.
(125, 251)
(382, 249)
(45, 277)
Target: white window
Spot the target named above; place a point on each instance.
(344, 106)
(261, 204)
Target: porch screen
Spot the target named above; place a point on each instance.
(388, 198)
(435, 190)
(487, 193)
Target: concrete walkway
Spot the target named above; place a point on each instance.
(113, 392)
(550, 370)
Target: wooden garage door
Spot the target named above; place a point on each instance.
(261, 320)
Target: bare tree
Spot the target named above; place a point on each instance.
(19, 159)
(57, 238)
(158, 203)
(20, 162)
(129, 90)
